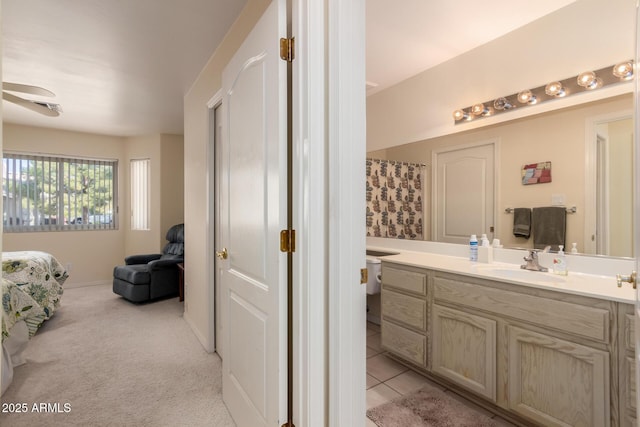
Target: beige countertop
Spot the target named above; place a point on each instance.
(589, 285)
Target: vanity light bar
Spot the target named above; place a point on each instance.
(585, 81)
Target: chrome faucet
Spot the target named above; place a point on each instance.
(532, 261)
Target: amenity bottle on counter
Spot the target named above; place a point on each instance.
(560, 262)
(473, 248)
(485, 250)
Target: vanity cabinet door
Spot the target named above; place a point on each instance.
(627, 366)
(464, 350)
(555, 382)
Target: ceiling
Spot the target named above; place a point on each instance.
(123, 67)
(117, 67)
(404, 41)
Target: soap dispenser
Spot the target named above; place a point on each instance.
(560, 262)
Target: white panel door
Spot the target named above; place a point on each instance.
(253, 211)
(464, 193)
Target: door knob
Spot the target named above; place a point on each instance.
(223, 254)
(631, 278)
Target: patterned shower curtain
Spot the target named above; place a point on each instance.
(394, 199)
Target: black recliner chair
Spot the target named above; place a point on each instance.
(152, 276)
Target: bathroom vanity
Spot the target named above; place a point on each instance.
(549, 350)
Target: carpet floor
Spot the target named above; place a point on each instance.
(102, 361)
(428, 407)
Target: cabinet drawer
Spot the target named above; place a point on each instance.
(588, 322)
(406, 280)
(405, 343)
(405, 309)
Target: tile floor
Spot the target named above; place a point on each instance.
(387, 379)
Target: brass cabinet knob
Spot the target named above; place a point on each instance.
(223, 254)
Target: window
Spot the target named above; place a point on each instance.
(140, 194)
(47, 193)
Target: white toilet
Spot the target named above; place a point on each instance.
(374, 273)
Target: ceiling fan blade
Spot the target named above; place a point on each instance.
(32, 90)
(51, 110)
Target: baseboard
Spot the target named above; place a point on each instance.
(208, 347)
(85, 284)
(373, 318)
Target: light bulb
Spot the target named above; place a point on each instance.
(589, 80)
(502, 104)
(555, 89)
(586, 78)
(460, 115)
(526, 97)
(480, 110)
(623, 70)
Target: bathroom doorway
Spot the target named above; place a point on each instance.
(608, 190)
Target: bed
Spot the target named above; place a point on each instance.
(31, 292)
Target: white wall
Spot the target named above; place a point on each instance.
(171, 183)
(166, 153)
(198, 291)
(588, 34)
(142, 241)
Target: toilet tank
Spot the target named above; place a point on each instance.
(373, 272)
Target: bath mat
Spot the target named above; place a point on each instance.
(428, 407)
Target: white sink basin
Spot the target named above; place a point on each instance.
(521, 274)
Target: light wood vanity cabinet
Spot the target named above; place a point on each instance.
(550, 358)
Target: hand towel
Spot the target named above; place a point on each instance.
(522, 222)
(549, 225)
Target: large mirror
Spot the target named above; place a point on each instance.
(586, 137)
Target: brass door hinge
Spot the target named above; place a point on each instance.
(364, 276)
(287, 49)
(288, 241)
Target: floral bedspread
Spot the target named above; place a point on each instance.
(31, 288)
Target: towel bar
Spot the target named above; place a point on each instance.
(572, 209)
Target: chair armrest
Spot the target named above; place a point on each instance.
(141, 259)
(164, 263)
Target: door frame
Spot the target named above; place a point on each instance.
(346, 177)
(214, 101)
(329, 152)
(329, 162)
(590, 174)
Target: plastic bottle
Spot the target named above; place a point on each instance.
(485, 241)
(560, 262)
(574, 248)
(473, 248)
